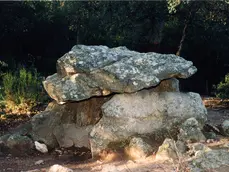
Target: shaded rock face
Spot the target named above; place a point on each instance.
(67, 125)
(167, 151)
(16, 144)
(190, 131)
(139, 147)
(88, 71)
(158, 114)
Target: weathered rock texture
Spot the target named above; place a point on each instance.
(190, 131)
(88, 71)
(139, 147)
(158, 114)
(167, 151)
(67, 125)
(210, 160)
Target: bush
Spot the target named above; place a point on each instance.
(222, 89)
(22, 90)
(3, 65)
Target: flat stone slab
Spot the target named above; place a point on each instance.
(88, 71)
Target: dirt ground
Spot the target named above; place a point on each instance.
(79, 160)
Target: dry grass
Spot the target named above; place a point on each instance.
(213, 102)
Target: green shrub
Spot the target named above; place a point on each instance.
(222, 89)
(3, 65)
(22, 90)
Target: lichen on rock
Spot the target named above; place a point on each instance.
(88, 71)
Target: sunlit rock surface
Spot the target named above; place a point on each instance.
(158, 114)
(88, 71)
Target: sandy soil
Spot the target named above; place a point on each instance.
(79, 161)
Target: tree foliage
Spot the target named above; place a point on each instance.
(222, 89)
(22, 90)
(39, 32)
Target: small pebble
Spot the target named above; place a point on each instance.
(58, 151)
(210, 140)
(39, 162)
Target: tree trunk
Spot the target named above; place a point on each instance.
(192, 11)
(182, 40)
(78, 36)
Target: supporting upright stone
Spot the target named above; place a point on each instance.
(157, 114)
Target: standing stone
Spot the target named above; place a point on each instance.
(67, 125)
(158, 114)
(197, 149)
(69, 135)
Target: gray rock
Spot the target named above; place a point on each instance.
(190, 131)
(210, 135)
(145, 113)
(4, 138)
(19, 145)
(88, 71)
(225, 127)
(139, 148)
(67, 125)
(3, 144)
(59, 168)
(167, 151)
(39, 162)
(43, 125)
(20, 134)
(181, 147)
(210, 160)
(69, 135)
(41, 147)
(196, 149)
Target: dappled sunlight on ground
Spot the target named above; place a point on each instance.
(109, 160)
(142, 165)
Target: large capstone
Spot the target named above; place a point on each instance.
(157, 114)
(88, 71)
